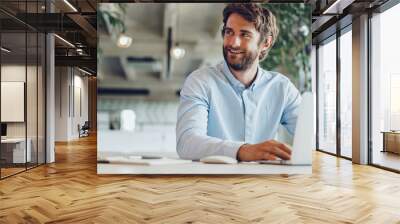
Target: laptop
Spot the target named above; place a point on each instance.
(303, 142)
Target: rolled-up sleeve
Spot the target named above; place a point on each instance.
(192, 120)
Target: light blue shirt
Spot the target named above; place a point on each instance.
(218, 114)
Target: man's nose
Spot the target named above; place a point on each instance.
(235, 41)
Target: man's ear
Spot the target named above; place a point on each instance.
(267, 43)
(265, 47)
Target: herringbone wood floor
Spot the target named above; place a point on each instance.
(70, 191)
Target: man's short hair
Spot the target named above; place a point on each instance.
(263, 19)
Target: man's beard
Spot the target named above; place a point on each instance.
(245, 62)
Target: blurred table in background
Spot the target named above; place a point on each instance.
(391, 141)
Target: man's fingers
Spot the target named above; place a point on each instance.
(279, 145)
(285, 148)
(271, 150)
(269, 156)
(281, 153)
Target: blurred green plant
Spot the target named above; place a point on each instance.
(290, 54)
(111, 20)
(114, 18)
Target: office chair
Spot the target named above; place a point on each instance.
(84, 130)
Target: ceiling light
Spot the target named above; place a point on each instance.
(328, 10)
(124, 41)
(5, 50)
(178, 52)
(70, 5)
(337, 7)
(84, 71)
(65, 41)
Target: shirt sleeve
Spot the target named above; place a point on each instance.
(290, 112)
(191, 129)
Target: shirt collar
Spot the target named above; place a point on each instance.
(236, 83)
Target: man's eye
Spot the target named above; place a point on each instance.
(228, 32)
(246, 35)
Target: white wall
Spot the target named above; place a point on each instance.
(61, 103)
(33, 126)
(71, 87)
(79, 117)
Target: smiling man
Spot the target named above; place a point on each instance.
(235, 108)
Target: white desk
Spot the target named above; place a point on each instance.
(201, 168)
(19, 149)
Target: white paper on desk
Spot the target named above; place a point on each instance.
(145, 162)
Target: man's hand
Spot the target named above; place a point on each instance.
(268, 150)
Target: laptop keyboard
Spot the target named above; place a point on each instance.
(279, 162)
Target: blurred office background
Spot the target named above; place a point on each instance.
(145, 52)
(51, 47)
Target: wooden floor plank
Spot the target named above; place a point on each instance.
(70, 191)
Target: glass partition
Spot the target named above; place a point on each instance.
(22, 87)
(327, 96)
(15, 151)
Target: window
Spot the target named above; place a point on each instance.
(327, 96)
(346, 94)
(385, 85)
